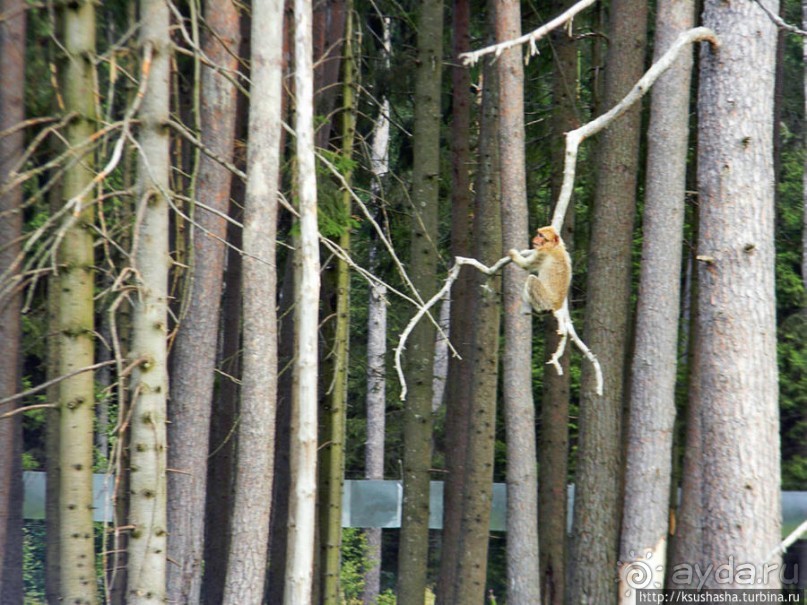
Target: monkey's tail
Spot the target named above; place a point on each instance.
(566, 329)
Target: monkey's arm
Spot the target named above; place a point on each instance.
(523, 259)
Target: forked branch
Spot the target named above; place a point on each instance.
(577, 136)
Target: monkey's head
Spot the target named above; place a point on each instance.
(546, 237)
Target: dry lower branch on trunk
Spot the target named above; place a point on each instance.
(531, 38)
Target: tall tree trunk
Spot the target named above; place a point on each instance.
(413, 550)
(687, 531)
(52, 430)
(338, 399)
(553, 437)
(376, 422)
(480, 436)
(377, 342)
(278, 549)
(460, 368)
(597, 510)
(12, 112)
(522, 483)
(247, 557)
(736, 325)
(193, 367)
(300, 558)
(648, 471)
(148, 463)
(804, 219)
(223, 440)
(76, 315)
(328, 36)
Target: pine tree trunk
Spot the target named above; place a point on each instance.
(736, 324)
(460, 368)
(223, 430)
(652, 401)
(413, 550)
(278, 549)
(377, 343)
(597, 504)
(300, 558)
(194, 353)
(12, 112)
(254, 475)
(148, 461)
(522, 482)
(52, 430)
(553, 436)
(328, 36)
(338, 399)
(804, 219)
(480, 439)
(376, 422)
(76, 317)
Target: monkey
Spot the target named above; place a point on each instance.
(550, 270)
(547, 288)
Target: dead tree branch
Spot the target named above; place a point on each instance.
(472, 57)
(577, 136)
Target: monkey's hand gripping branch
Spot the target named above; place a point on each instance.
(565, 325)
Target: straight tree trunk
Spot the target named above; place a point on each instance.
(597, 504)
(52, 431)
(300, 557)
(147, 448)
(553, 436)
(522, 483)
(413, 552)
(328, 36)
(804, 219)
(223, 430)
(645, 516)
(377, 342)
(279, 532)
(247, 557)
(195, 346)
(12, 112)
(736, 324)
(460, 368)
(76, 315)
(376, 423)
(480, 437)
(686, 545)
(332, 526)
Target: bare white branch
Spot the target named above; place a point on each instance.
(577, 136)
(787, 542)
(472, 57)
(781, 23)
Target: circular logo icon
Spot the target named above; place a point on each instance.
(637, 573)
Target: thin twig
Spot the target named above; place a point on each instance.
(50, 383)
(29, 408)
(779, 22)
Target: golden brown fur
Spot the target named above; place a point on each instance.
(550, 270)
